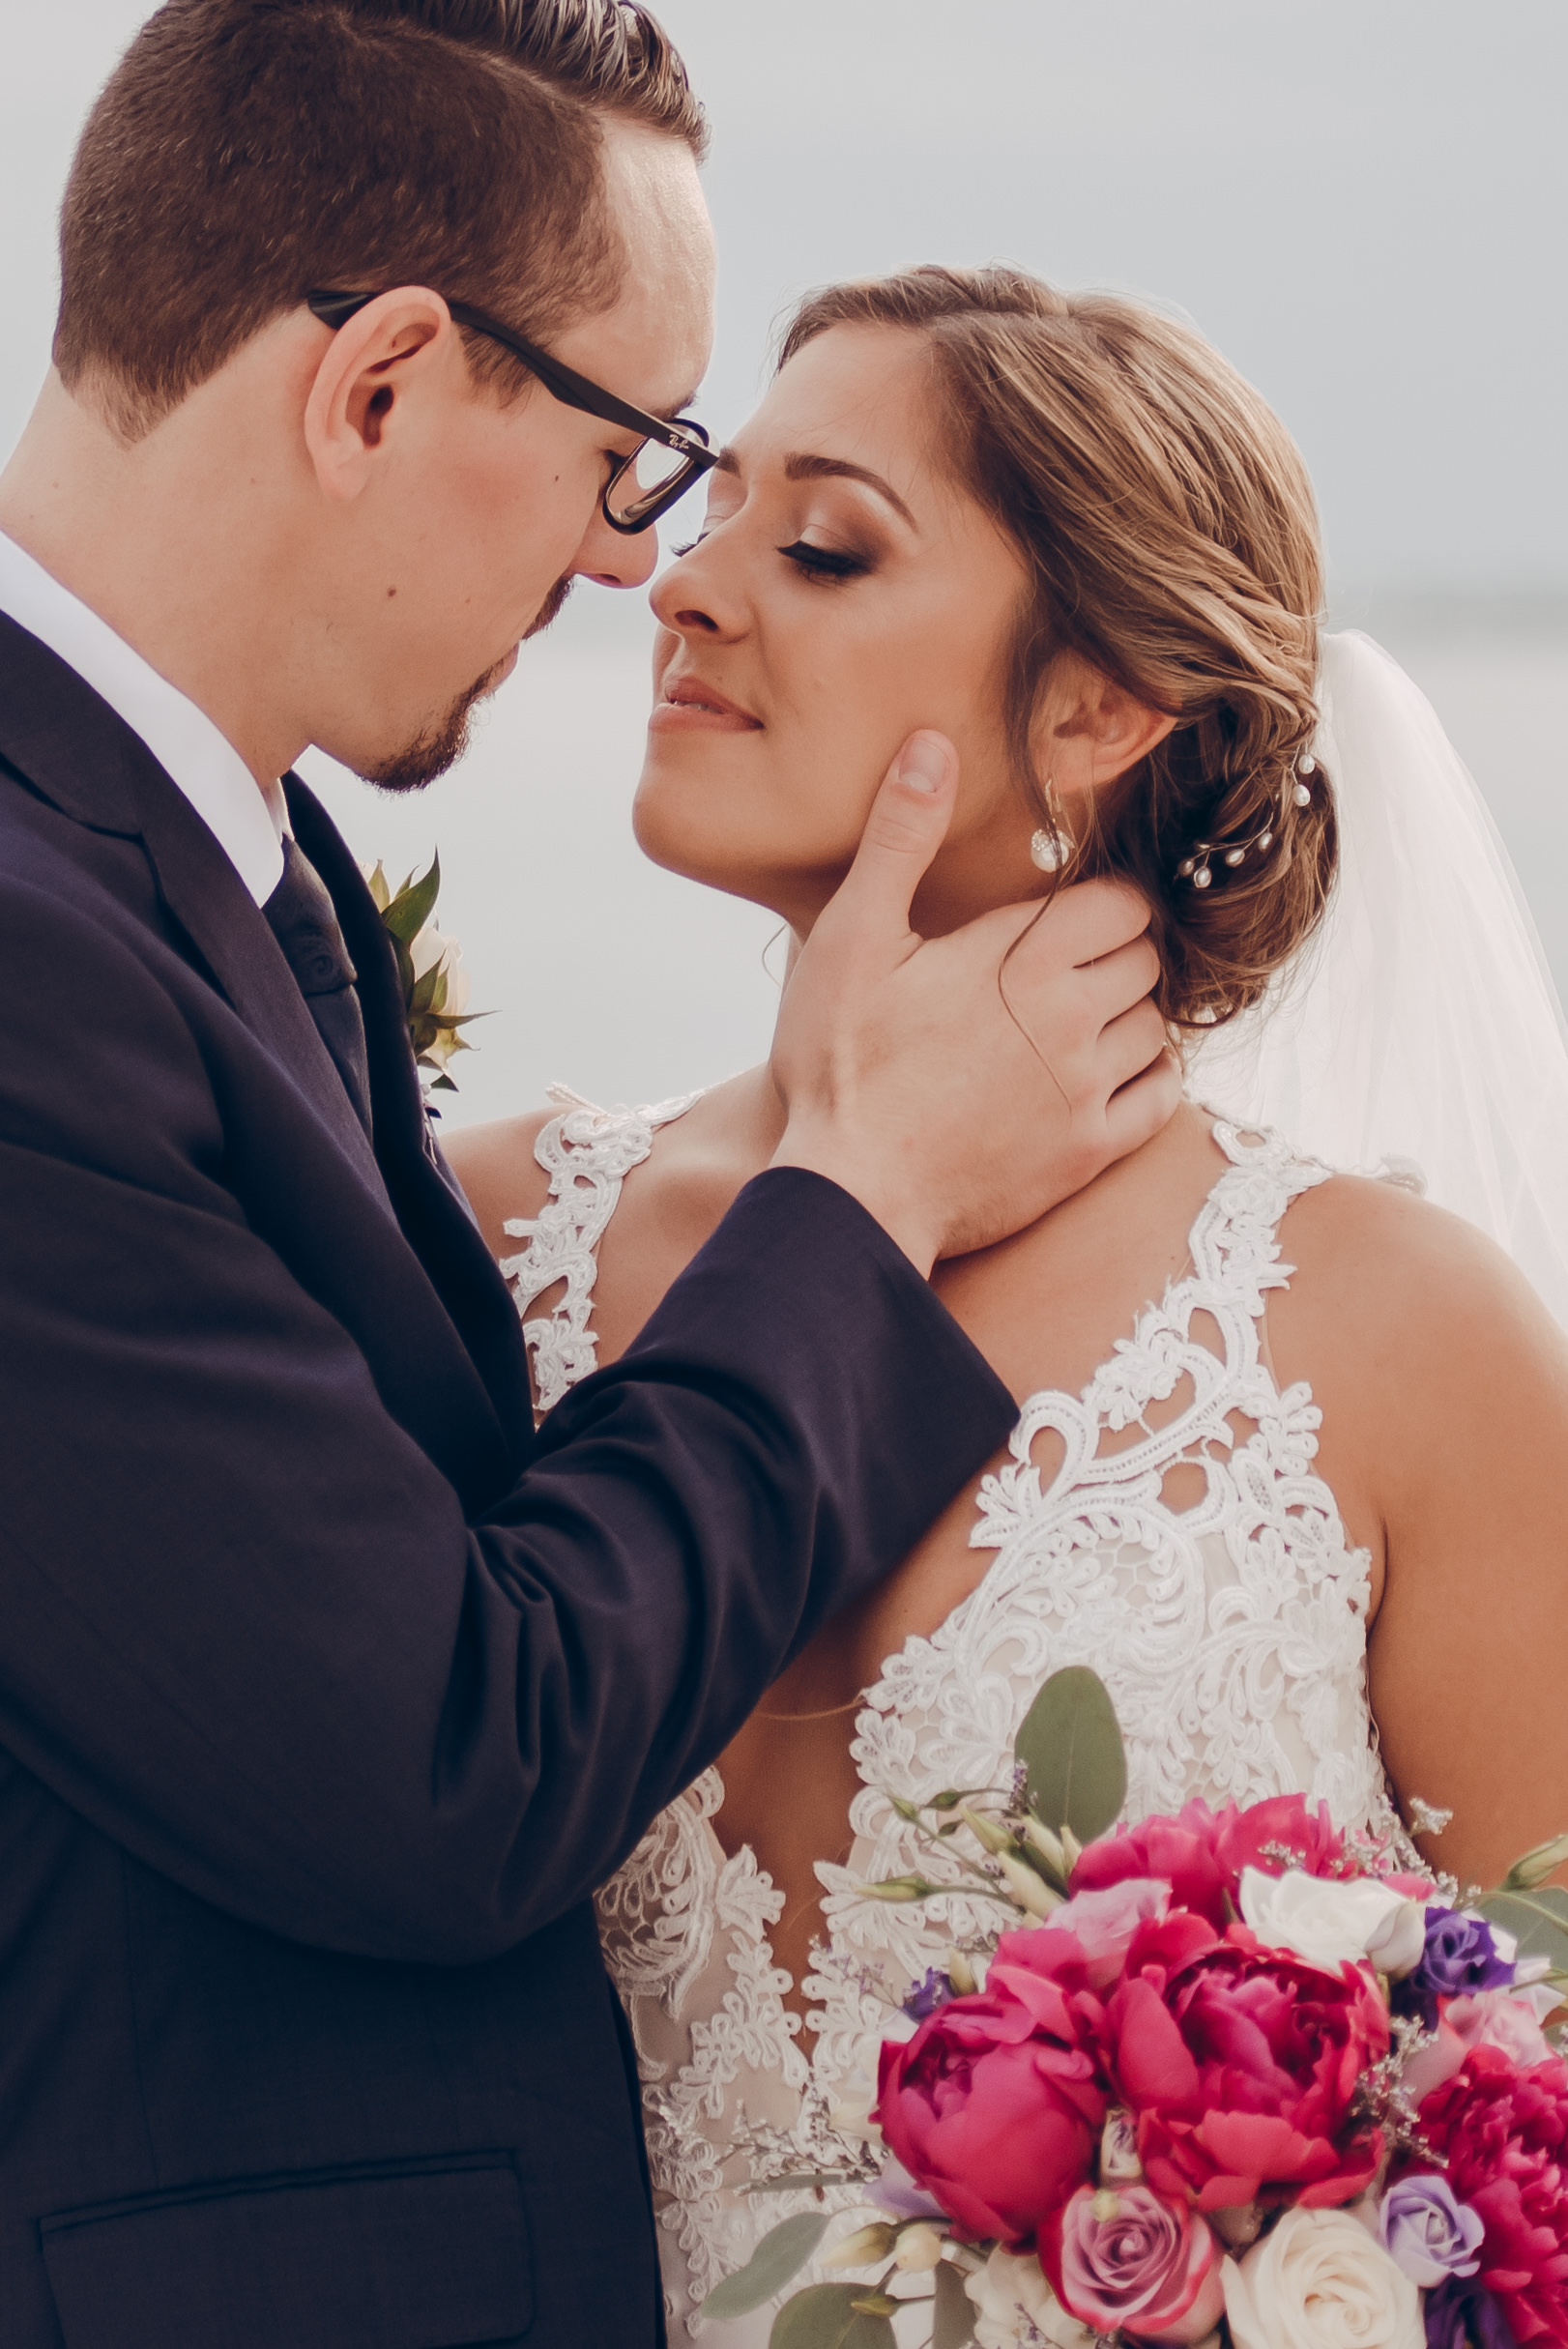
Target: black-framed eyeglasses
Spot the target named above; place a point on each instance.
(661, 468)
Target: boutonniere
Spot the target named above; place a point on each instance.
(429, 964)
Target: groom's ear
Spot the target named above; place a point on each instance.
(1088, 731)
(367, 366)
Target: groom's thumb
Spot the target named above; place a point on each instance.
(908, 823)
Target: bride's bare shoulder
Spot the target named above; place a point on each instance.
(1413, 1306)
(496, 1166)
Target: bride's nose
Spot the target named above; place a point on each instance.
(689, 598)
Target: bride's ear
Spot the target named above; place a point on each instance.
(1088, 731)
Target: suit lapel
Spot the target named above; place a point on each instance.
(428, 1200)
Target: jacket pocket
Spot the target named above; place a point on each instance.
(414, 2257)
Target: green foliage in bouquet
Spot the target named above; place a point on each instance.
(434, 990)
(1534, 1911)
(1068, 1789)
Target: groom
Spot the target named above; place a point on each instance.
(328, 1692)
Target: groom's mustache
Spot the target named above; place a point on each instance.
(419, 762)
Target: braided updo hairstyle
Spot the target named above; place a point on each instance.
(1170, 533)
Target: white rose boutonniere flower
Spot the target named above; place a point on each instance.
(429, 964)
(1319, 2280)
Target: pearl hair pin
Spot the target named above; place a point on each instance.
(1199, 867)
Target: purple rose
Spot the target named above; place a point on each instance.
(1460, 2315)
(1460, 1957)
(1428, 2233)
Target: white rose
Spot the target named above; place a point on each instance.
(1016, 2305)
(1321, 1919)
(432, 946)
(1318, 2281)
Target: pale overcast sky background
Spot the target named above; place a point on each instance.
(1362, 201)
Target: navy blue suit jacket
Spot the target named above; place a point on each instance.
(328, 1692)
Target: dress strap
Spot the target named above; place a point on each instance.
(588, 1152)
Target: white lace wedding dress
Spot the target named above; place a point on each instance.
(1183, 1548)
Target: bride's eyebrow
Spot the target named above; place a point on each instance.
(802, 468)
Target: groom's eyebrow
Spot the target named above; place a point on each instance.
(803, 467)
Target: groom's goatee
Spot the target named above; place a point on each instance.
(550, 609)
(441, 746)
(431, 754)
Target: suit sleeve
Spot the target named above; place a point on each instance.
(245, 1627)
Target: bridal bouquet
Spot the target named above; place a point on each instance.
(1217, 2076)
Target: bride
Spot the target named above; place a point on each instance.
(1290, 1467)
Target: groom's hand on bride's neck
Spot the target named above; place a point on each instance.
(961, 1086)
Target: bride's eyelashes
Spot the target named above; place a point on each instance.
(824, 562)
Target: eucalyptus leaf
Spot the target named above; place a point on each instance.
(413, 906)
(955, 2311)
(782, 2253)
(1538, 1920)
(1071, 1751)
(824, 2317)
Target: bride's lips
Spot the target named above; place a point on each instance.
(687, 706)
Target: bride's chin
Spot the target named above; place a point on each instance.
(684, 840)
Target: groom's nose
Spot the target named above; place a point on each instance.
(612, 557)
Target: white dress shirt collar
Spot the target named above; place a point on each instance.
(246, 822)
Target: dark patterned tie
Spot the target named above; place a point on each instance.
(305, 925)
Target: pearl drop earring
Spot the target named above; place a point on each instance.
(1051, 845)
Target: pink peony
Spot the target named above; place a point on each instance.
(1503, 2136)
(1130, 2261)
(1241, 2064)
(996, 2104)
(1200, 1855)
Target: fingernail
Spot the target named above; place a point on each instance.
(923, 761)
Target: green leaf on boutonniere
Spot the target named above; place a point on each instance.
(1071, 1751)
(782, 2253)
(413, 905)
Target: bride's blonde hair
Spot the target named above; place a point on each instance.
(1171, 535)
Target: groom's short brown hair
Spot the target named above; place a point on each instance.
(245, 152)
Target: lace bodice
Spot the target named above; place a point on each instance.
(1165, 1526)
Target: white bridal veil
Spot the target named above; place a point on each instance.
(1423, 1024)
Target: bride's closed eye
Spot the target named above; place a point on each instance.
(824, 562)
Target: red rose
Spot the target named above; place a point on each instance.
(1241, 2061)
(1200, 1856)
(1504, 2136)
(996, 2104)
